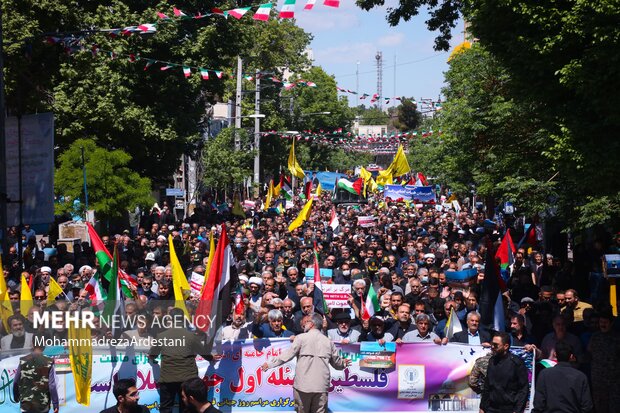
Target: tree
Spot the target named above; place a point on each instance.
(407, 116)
(490, 140)
(562, 60)
(305, 108)
(153, 115)
(223, 165)
(113, 187)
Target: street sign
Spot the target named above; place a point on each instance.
(175, 192)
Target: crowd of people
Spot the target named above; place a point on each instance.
(404, 256)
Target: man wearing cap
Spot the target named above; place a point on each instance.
(343, 333)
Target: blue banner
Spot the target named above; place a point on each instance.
(416, 194)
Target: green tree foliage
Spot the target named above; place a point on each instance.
(407, 117)
(223, 165)
(303, 108)
(113, 187)
(153, 115)
(490, 140)
(563, 63)
(372, 116)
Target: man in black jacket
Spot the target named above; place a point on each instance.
(562, 388)
(127, 398)
(506, 384)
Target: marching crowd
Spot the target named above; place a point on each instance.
(404, 257)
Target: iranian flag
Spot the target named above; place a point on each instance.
(204, 73)
(310, 4)
(372, 304)
(263, 12)
(96, 294)
(237, 13)
(332, 3)
(288, 9)
(106, 263)
(317, 296)
(334, 223)
(187, 72)
(353, 187)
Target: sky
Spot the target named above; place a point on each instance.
(346, 35)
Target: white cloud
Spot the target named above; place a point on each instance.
(391, 40)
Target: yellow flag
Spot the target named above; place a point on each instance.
(179, 280)
(385, 177)
(237, 208)
(54, 291)
(210, 261)
(400, 165)
(318, 189)
(276, 190)
(452, 198)
(303, 216)
(6, 310)
(269, 195)
(25, 298)
(366, 177)
(81, 357)
(293, 165)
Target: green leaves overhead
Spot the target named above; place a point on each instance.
(113, 187)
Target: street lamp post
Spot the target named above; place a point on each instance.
(257, 136)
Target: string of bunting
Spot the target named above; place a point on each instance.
(75, 44)
(375, 98)
(374, 143)
(262, 13)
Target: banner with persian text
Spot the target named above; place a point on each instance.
(425, 377)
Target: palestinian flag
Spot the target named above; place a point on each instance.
(352, 187)
(114, 306)
(491, 303)
(529, 237)
(105, 262)
(286, 187)
(505, 254)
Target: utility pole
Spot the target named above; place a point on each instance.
(3, 184)
(85, 183)
(257, 135)
(357, 83)
(238, 103)
(394, 104)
